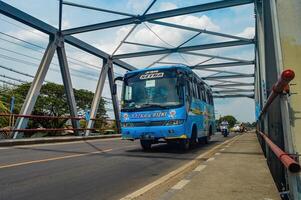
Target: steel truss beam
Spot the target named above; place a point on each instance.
(232, 85)
(229, 76)
(215, 56)
(189, 53)
(36, 85)
(229, 64)
(66, 77)
(158, 15)
(199, 30)
(35, 23)
(233, 91)
(183, 49)
(97, 9)
(234, 96)
(114, 96)
(97, 95)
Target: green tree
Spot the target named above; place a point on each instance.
(229, 118)
(52, 101)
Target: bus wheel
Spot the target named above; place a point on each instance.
(146, 144)
(184, 144)
(193, 139)
(208, 137)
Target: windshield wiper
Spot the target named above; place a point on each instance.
(148, 105)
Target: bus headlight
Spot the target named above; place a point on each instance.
(127, 124)
(174, 122)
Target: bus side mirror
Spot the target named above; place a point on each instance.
(114, 89)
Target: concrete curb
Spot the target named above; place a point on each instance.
(15, 142)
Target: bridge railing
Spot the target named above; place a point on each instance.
(12, 117)
(278, 88)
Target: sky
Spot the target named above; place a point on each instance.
(22, 47)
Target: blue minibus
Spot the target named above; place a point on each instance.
(166, 104)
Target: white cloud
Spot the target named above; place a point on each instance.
(138, 6)
(248, 32)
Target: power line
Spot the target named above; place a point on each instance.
(94, 67)
(8, 83)
(21, 27)
(11, 78)
(41, 48)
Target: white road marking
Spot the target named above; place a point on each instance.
(59, 143)
(222, 149)
(210, 159)
(199, 168)
(176, 172)
(180, 184)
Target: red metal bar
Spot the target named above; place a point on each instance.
(45, 129)
(278, 88)
(287, 161)
(39, 116)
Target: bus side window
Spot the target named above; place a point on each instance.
(190, 86)
(208, 97)
(200, 92)
(193, 90)
(196, 90)
(204, 94)
(211, 99)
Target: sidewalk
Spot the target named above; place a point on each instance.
(237, 172)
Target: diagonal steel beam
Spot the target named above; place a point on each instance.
(229, 64)
(158, 15)
(199, 30)
(233, 91)
(34, 90)
(234, 96)
(183, 49)
(35, 23)
(229, 76)
(97, 9)
(144, 45)
(232, 85)
(66, 77)
(215, 56)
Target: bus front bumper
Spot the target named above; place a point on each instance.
(154, 132)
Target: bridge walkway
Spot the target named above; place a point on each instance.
(238, 171)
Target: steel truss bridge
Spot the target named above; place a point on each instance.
(276, 47)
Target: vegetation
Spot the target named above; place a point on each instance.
(52, 101)
(232, 121)
(229, 118)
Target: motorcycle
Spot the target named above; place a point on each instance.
(225, 130)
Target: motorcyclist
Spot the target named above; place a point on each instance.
(224, 128)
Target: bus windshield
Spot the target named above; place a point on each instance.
(151, 91)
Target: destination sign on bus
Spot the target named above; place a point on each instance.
(152, 74)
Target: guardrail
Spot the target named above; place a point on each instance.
(278, 88)
(13, 116)
(284, 157)
(281, 85)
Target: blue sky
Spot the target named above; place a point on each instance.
(86, 68)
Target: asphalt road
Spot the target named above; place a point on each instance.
(99, 169)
